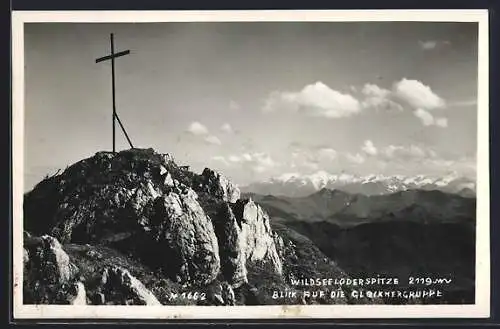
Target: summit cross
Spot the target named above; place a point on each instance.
(112, 57)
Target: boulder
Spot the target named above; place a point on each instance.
(120, 287)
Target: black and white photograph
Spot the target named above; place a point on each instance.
(303, 165)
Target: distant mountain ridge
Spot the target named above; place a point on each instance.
(403, 234)
(347, 209)
(296, 185)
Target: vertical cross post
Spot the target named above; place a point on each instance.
(112, 57)
(113, 85)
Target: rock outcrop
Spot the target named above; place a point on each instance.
(51, 276)
(218, 185)
(188, 233)
(48, 261)
(244, 234)
(48, 273)
(120, 287)
(143, 203)
(80, 295)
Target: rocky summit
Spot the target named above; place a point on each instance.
(136, 228)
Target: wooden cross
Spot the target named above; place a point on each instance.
(112, 57)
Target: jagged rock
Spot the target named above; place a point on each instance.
(81, 295)
(257, 232)
(190, 233)
(48, 273)
(231, 246)
(48, 261)
(168, 181)
(124, 288)
(218, 185)
(227, 294)
(244, 235)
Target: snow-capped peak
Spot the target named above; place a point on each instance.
(295, 184)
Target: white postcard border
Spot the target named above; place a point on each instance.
(480, 309)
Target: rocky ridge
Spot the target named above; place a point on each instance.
(134, 227)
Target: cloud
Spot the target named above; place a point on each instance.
(221, 159)
(424, 116)
(234, 106)
(319, 100)
(227, 128)
(441, 122)
(234, 158)
(309, 165)
(410, 92)
(197, 129)
(413, 159)
(369, 148)
(464, 103)
(327, 153)
(466, 166)
(211, 139)
(417, 95)
(258, 161)
(261, 162)
(428, 45)
(355, 158)
(373, 90)
(410, 152)
(378, 98)
(428, 119)
(315, 100)
(417, 159)
(432, 44)
(311, 156)
(262, 159)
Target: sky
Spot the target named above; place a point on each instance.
(254, 100)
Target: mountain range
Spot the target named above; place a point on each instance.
(296, 185)
(413, 233)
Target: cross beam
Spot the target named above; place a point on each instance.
(112, 57)
(105, 58)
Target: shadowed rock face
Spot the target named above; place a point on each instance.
(49, 276)
(142, 203)
(48, 261)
